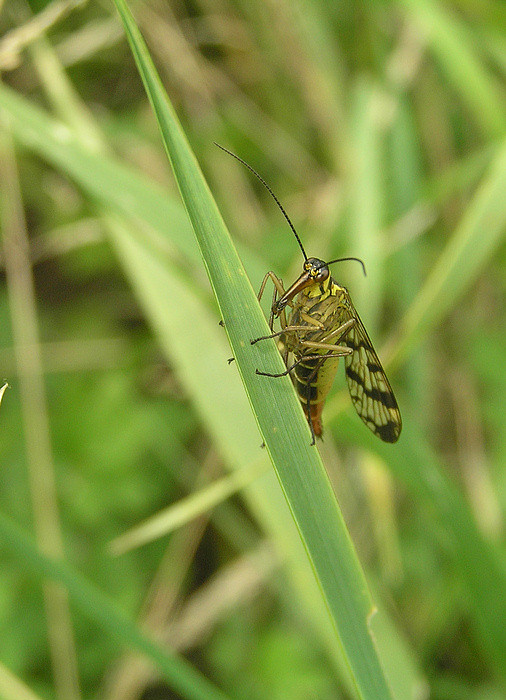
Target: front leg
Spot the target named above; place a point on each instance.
(278, 290)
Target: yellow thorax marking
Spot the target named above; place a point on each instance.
(315, 290)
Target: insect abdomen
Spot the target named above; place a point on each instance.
(313, 379)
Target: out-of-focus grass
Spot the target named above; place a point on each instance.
(381, 127)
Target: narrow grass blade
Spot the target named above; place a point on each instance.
(276, 408)
(186, 509)
(2, 391)
(365, 234)
(12, 688)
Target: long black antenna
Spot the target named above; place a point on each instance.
(344, 259)
(271, 193)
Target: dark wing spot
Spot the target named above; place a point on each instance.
(388, 432)
(384, 397)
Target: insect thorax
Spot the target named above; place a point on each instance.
(325, 306)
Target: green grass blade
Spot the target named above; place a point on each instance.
(276, 408)
(155, 282)
(364, 236)
(182, 676)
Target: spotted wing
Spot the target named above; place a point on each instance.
(369, 387)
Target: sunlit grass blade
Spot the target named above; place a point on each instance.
(181, 675)
(110, 182)
(155, 284)
(276, 408)
(12, 688)
(2, 391)
(185, 510)
(468, 249)
(457, 53)
(365, 234)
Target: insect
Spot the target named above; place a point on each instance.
(322, 326)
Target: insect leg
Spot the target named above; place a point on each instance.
(308, 409)
(289, 369)
(275, 335)
(275, 280)
(339, 332)
(334, 350)
(311, 321)
(278, 289)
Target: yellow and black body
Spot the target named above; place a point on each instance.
(322, 325)
(319, 324)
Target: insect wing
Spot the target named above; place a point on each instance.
(369, 387)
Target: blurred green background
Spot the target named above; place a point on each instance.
(381, 127)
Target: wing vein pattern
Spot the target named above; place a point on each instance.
(368, 385)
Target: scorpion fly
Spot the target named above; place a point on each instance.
(319, 324)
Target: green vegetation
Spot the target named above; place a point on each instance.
(132, 472)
